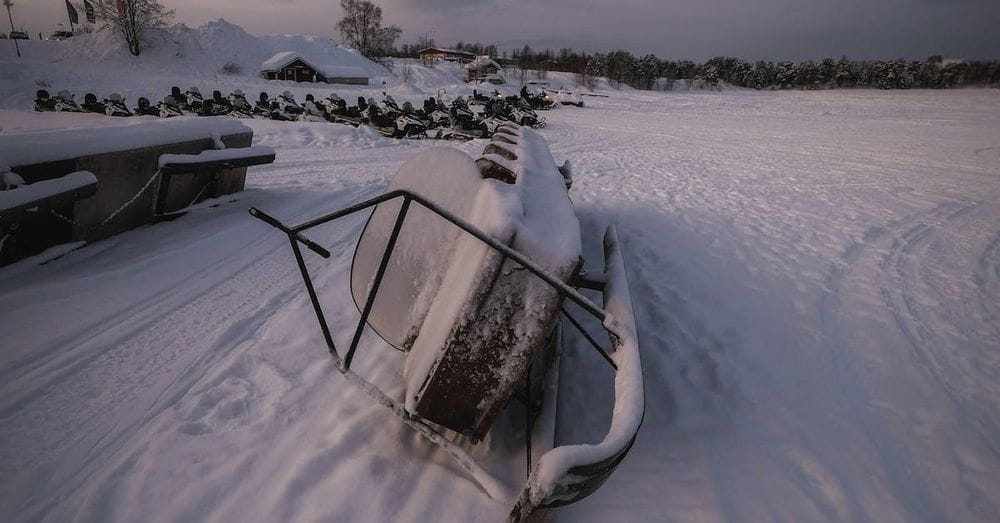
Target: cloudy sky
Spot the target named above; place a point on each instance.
(694, 29)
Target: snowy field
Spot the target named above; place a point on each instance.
(816, 279)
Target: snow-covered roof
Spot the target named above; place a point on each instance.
(446, 51)
(482, 61)
(284, 58)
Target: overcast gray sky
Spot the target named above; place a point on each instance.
(694, 29)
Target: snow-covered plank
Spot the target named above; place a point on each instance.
(214, 159)
(66, 189)
(123, 134)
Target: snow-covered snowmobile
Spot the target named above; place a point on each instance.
(313, 112)
(239, 106)
(289, 107)
(144, 108)
(114, 105)
(483, 302)
(170, 107)
(567, 97)
(537, 101)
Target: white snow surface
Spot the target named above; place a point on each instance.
(815, 278)
(104, 135)
(35, 191)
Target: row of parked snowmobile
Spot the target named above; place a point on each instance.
(434, 119)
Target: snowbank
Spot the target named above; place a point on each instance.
(121, 134)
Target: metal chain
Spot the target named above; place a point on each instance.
(112, 215)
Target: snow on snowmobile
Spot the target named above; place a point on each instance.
(170, 107)
(567, 97)
(114, 105)
(278, 113)
(239, 106)
(289, 107)
(144, 108)
(313, 112)
(483, 363)
(537, 101)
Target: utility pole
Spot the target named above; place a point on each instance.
(7, 4)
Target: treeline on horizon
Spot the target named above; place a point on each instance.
(649, 71)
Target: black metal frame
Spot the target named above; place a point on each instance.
(296, 237)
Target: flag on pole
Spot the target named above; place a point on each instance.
(88, 8)
(73, 16)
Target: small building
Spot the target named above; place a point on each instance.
(290, 65)
(450, 55)
(484, 69)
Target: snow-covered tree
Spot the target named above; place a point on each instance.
(362, 28)
(132, 18)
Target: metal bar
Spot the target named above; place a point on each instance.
(527, 419)
(273, 222)
(383, 263)
(592, 341)
(571, 293)
(312, 297)
(349, 210)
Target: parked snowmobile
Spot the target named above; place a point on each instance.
(278, 113)
(463, 124)
(44, 102)
(468, 354)
(566, 97)
(239, 107)
(479, 98)
(170, 107)
(288, 105)
(144, 108)
(114, 105)
(313, 112)
(393, 123)
(193, 100)
(66, 103)
(209, 108)
(341, 113)
(537, 101)
(262, 107)
(91, 105)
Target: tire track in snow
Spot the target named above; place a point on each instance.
(896, 272)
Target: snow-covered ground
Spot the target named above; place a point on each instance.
(816, 279)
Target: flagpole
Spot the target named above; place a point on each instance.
(11, 18)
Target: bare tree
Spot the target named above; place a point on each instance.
(362, 28)
(133, 18)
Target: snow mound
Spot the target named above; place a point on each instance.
(209, 49)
